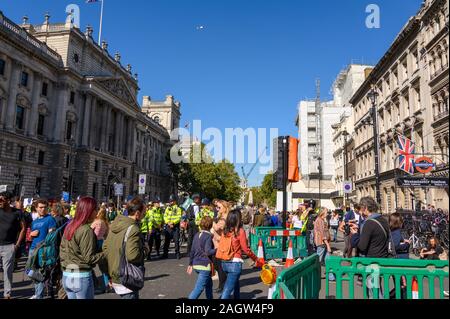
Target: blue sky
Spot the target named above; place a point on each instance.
(250, 64)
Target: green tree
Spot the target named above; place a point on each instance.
(268, 193)
(213, 180)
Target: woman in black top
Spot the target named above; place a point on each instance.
(432, 251)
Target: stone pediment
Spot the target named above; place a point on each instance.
(118, 88)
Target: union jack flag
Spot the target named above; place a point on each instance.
(406, 149)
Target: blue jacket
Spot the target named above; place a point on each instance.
(202, 249)
(402, 249)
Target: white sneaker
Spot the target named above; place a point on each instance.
(33, 297)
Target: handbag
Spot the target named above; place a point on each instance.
(131, 276)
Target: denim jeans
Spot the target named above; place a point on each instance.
(322, 253)
(38, 286)
(335, 233)
(131, 295)
(233, 271)
(204, 282)
(79, 288)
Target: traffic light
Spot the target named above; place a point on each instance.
(278, 163)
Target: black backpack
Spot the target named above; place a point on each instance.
(190, 214)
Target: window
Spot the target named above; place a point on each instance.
(2, 67)
(24, 79)
(20, 114)
(96, 166)
(44, 89)
(415, 60)
(94, 190)
(37, 186)
(124, 172)
(72, 97)
(41, 158)
(67, 161)
(69, 135)
(40, 126)
(20, 153)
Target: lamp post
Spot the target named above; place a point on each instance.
(372, 95)
(345, 134)
(320, 177)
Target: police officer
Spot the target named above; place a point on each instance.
(172, 219)
(192, 215)
(145, 224)
(156, 218)
(205, 210)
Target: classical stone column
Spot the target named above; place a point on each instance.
(117, 134)
(132, 140)
(93, 119)
(12, 96)
(123, 135)
(86, 120)
(106, 118)
(61, 110)
(33, 118)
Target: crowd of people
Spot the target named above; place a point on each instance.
(65, 242)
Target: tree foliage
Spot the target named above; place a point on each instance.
(268, 193)
(210, 179)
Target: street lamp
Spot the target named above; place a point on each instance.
(373, 95)
(320, 177)
(345, 134)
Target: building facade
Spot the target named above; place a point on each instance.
(319, 168)
(346, 84)
(412, 82)
(70, 119)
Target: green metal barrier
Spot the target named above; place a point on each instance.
(301, 281)
(386, 274)
(273, 245)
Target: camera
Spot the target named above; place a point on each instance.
(347, 228)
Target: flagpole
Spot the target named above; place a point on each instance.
(101, 22)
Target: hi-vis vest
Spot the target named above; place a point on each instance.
(203, 212)
(156, 218)
(73, 209)
(145, 223)
(173, 214)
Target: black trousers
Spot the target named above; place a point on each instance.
(169, 234)
(154, 237)
(192, 230)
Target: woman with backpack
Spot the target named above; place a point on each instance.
(78, 251)
(201, 251)
(232, 243)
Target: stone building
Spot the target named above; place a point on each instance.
(346, 84)
(412, 82)
(70, 119)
